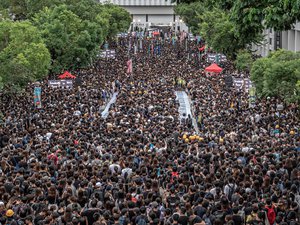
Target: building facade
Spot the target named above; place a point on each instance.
(148, 13)
(289, 40)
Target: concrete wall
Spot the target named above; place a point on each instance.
(151, 12)
(157, 10)
(290, 40)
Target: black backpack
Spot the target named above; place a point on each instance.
(142, 220)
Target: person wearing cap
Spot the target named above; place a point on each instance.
(10, 218)
(9, 213)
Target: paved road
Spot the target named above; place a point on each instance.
(113, 99)
(185, 107)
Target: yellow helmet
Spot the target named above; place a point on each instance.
(9, 213)
(192, 138)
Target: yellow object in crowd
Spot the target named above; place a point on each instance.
(192, 138)
(9, 213)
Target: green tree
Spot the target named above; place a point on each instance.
(252, 17)
(17, 8)
(119, 19)
(213, 20)
(111, 19)
(190, 13)
(34, 6)
(257, 74)
(71, 41)
(23, 54)
(244, 61)
(219, 32)
(277, 75)
(1, 83)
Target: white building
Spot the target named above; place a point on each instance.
(289, 40)
(147, 13)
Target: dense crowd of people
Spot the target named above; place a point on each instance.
(65, 164)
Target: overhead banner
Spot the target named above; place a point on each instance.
(67, 84)
(110, 53)
(37, 97)
(218, 58)
(242, 83)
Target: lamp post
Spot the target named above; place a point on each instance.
(139, 21)
(133, 21)
(180, 24)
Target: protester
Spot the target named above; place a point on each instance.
(66, 164)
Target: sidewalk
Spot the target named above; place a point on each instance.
(185, 107)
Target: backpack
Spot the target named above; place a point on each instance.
(142, 221)
(271, 215)
(172, 201)
(122, 220)
(207, 221)
(136, 161)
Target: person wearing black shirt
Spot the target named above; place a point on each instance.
(183, 218)
(237, 219)
(90, 213)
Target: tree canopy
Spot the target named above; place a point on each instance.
(23, 54)
(244, 20)
(118, 18)
(244, 61)
(278, 75)
(72, 31)
(71, 41)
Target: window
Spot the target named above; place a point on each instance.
(271, 30)
(270, 41)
